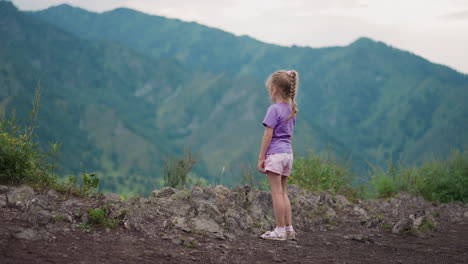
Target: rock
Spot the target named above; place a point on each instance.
(20, 197)
(176, 240)
(41, 202)
(466, 214)
(243, 188)
(84, 218)
(181, 224)
(327, 198)
(229, 236)
(418, 221)
(279, 259)
(28, 234)
(198, 194)
(190, 242)
(331, 214)
(68, 217)
(208, 210)
(237, 218)
(165, 192)
(360, 212)
(52, 193)
(207, 225)
(43, 217)
(3, 189)
(373, 222)
(341, 201)
(37, 217)
(111, 198)
(402, 226)
(71, 204)
(222, 213)
(261, 207)
(221, 191)
(133, 224)
(294, 191)
(360, 238)
(3, 202)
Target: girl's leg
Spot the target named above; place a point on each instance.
(286, 202)
(277, 196)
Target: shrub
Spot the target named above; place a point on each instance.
(251, 176)
(176, 170)
(98, 216)
(87, 185)
(384, 186)
(318, 174)
(21, 159)
(435, 180)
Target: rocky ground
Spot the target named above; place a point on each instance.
(218, 225)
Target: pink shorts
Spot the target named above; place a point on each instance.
(280, 163)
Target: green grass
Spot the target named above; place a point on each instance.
(435, 180)
(317, 174)
(426, 225)
(98, 216)
(176, 170)
(22, 161)
(387, 227)
(59, 218)
(84, 227)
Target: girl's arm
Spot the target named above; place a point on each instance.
(265, 143)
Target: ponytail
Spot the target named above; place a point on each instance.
(294, 77)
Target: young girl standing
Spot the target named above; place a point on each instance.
(276, 155)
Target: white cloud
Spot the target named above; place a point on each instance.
(434, 29)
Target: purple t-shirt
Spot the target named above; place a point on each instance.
(277, 117)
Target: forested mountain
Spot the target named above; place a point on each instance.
(378, 100)
(119, 113)
(123, 89)
(89, 101)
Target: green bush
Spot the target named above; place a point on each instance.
(21, 159)
(251, 177)
(98, 216)
(176, 170)
(384, 186)
(435, 180)
(87, 185)
(318, 174)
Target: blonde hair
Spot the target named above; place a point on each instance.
(286, 83)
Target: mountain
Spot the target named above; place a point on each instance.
(88, 89)
(381, 102)
(120, 113)
(123, 89)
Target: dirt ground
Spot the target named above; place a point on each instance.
(446, 244)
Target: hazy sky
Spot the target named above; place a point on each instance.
(434, 29)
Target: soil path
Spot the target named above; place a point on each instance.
(448, 244)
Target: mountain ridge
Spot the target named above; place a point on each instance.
(186, 85)
(357, 41)
(364, 57)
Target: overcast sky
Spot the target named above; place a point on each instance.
(434, 29)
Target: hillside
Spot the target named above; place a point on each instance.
(87, 91)
(120, 113)
(123, 89)
(379, 101)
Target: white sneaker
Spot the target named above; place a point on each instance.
(291, 235)
(274, 235)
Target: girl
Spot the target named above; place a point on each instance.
(276, 155)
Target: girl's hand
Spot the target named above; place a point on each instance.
(261, 166)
